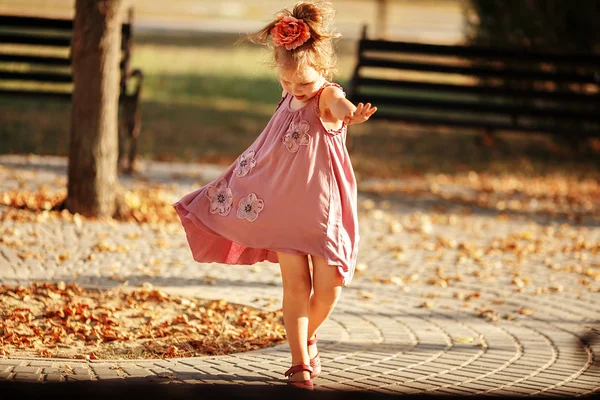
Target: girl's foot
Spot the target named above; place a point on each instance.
(299, 376)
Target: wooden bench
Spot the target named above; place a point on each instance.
(477, 87)
(35, 63)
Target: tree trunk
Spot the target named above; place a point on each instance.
(95, 55)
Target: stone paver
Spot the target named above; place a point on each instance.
(410, 335)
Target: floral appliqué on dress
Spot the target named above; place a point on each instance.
(245, 163)
(296, 136)
(221, 198)
(249, 207)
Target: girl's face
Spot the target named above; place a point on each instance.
(302, 83)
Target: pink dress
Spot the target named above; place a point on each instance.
(293, 191)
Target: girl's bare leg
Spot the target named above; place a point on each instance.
(327, 284)
(295, 274)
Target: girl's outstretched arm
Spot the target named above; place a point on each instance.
(343, 109)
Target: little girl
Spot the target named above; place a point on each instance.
(292, 193)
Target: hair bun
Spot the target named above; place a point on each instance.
(319, 17)
(308, 11)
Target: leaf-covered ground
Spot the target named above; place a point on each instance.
(555, 254)
(67, 321)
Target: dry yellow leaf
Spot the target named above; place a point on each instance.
(62, 257)
(464, 339)
(524, 311)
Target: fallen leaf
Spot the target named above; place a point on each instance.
(365, 295)
(426, 304)
(464, 339)
(524, 311)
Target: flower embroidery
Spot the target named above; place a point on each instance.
(245, 163)
(296, 136)
(249, 207)
(289, 32)
(220, 197)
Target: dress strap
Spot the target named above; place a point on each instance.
(281, 101)
(327, 84)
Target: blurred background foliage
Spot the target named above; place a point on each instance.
(548, 25)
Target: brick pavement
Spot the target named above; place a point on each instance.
(422, 318)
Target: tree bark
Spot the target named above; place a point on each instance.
(95, 55)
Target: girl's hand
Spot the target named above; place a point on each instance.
(360, 115)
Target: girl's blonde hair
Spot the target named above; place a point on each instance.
(318, 51)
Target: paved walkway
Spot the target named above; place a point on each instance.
(446, 301)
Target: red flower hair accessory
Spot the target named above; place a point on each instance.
(289, 32)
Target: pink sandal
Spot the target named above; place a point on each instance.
(306, 384)
(315, 362)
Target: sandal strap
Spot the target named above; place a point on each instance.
(313, 341)
(298, 368)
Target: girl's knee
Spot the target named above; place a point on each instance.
(295, 275)
(328, 292)
(297, 290)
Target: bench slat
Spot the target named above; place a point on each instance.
(36, 93)
(506, 110)
(36, 40)
(54, 77)
(365, 83)
(14, 38)
(435, 121)
(41, 61)
(56, 61)
(479, 52)
(17, 21)
(479, 71)
(36, 22)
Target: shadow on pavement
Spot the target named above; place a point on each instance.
(136, 389)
